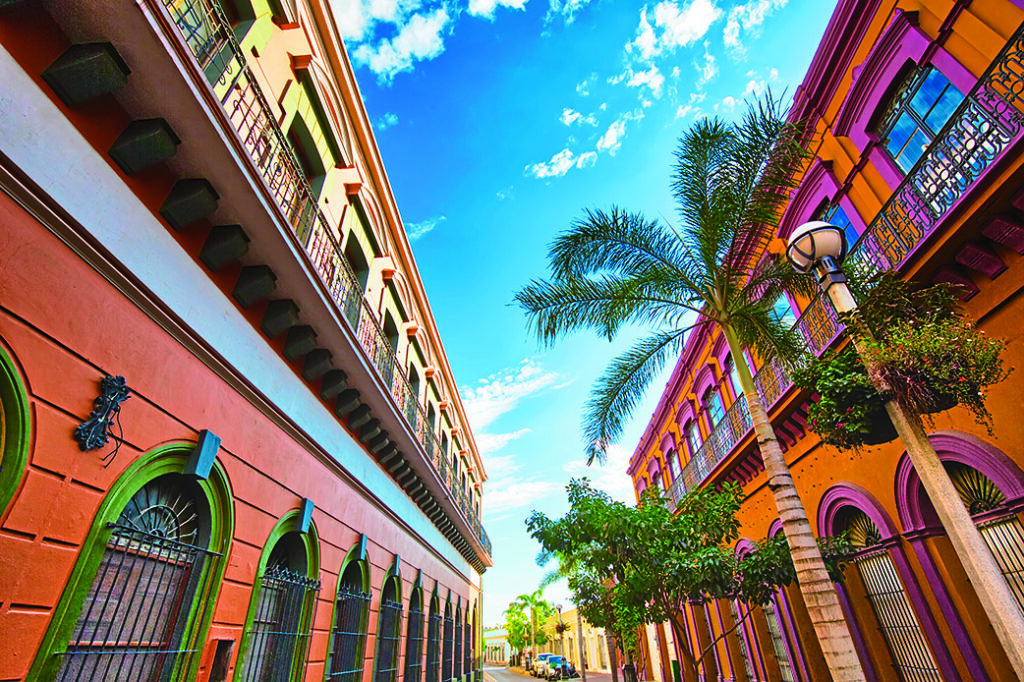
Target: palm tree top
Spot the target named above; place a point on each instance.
(614, 268)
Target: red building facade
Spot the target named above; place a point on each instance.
(232, 445)
(917, 142)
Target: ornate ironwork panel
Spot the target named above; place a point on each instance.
(467, 650)
(387, 641)
(447, 649)
(433, 647)
(134, 615)
(457, 656)
(94, 432)
(413, 646)
(348, 634)
(279, 634)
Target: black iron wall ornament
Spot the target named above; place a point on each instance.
(94, 432)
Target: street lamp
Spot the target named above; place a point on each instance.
(821, 247)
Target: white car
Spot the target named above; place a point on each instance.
(539, 665)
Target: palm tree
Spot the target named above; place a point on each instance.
(615, 269)
(538, 608)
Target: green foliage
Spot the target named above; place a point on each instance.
(920, 345)
(850, 407)
(517, 627)
(628, 566)
(617, 268)
(537, 610)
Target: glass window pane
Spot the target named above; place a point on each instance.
(929, 92)
(783, 312)
(713, 403)
(913, 151)
(944, 108)
(837, 216)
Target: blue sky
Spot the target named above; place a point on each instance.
(499, 122)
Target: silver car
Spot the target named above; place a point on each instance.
(539, 665)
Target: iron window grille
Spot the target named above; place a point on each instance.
(387, 641)
(467, 650)
(778, 645)
(433, 634)
(457, 660)
(413, 646)
(446, 649)
(350, 616)
(279, 634)
(741, 638)
(135, 617)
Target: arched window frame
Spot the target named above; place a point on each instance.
(415, 633)
(16, 413)
(385, 670)
(356, 558)
(447, 641)
(787, 623)
(288, 523)
(433, 649)
(831, 510)
(168, 459)
(920, 521)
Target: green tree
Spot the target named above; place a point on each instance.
(615, 269)
(538, 610)
(628, 566)
(517, 627)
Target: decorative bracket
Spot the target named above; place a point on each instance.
(94, 432)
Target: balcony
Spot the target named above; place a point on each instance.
(204, 30)
(984, 127)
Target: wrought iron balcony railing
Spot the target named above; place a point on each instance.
(985, 125)
(209, 37)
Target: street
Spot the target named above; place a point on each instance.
(496, 673)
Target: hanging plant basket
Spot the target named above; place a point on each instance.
(940, 403)
(881, 430)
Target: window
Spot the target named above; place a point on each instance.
(414, 638)
(741, 638)
(457, 659)
(467, 647)
(918, 109)
(771, 615)
(433, 645)
(447, 642)
(834, 214)
(14, 429)
(389, 620)
(693, 441)
(734, 377)
(277, 637)
(348, 633)
(713, 404)
(897, 621)
(673, 463)
(782, 311)
(139, 602)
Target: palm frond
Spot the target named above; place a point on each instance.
(622, 385)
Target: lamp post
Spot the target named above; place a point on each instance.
(820, 247)
(561, 631)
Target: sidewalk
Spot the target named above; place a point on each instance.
(592, 675)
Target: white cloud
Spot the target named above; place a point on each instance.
(610, 477)
(386, 121)
(486, 8)
(651, 78)
(583, 88)
(560, 164)
(612, 138)
(727, 104)
(680, 26)
(567, 9)
(570, 116)
(675, 72)
(505, 193)
(708, 70)
(502, 392)
(515, 494)
(747, 18)
(773, 74)
(419, 39)
(754, 88)
(682, 111)
(488, 443)
(586, 160)
(417, 230)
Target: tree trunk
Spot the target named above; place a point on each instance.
(819, 593)
(613, 661)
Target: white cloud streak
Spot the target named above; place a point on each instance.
(422, 38)
(417, 230)
(486, 8)
(747, 18)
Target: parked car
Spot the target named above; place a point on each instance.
(537, 670)
(551, 665)
(559, 668)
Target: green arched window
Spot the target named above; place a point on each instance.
(351, 617)
(389, 622)
(414, 636)
(14, 429)
(141, 594)
(457, 658)
(447, 641)
(277, 628)
(434, 639)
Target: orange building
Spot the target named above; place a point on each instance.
(917, 150)
(231, 443)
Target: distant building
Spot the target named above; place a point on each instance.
(918, 124)
(496, 646)
(284, 484)
(595, 644)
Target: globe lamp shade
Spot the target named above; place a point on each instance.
(813, 241)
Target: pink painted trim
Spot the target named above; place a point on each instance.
(685, 415)
(858, 637)
(916, 511)
(668, 442)
(844, 495)
(819, 185)
(950, 614)
(704, 380)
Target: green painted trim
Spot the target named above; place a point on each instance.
(417, 590)
(17, 428)
(394, 573)
(357, 553)
(168, 459)
(288, 523)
